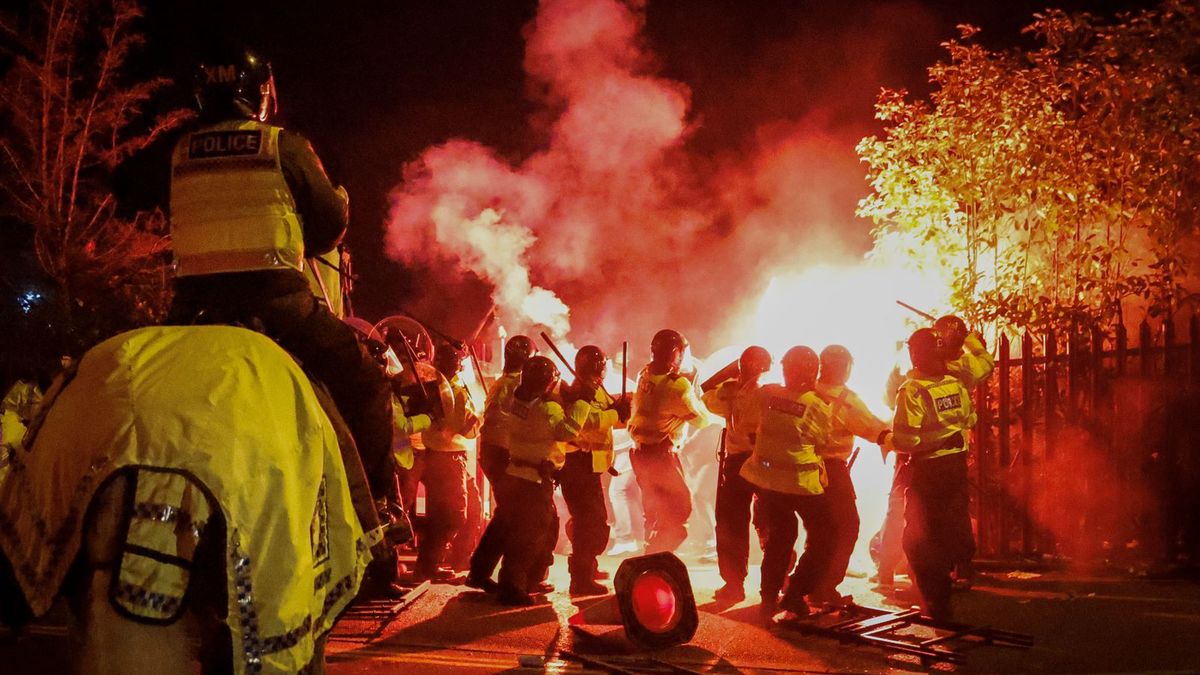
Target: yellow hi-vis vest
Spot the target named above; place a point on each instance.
(662, 405)
(850, 417)
(454, 431)
(538, 430)
(791, 426)
(933, 415)
(496, 420)
(194, 410)
(596, 435)
(739, 406)
(231, 208)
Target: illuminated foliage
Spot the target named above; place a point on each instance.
(70, 117)
(1056, 183)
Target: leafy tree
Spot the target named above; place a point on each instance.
(1055, 183)
(71, 115)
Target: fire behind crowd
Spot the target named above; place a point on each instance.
(655, 382)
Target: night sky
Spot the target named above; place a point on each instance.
(372, 84)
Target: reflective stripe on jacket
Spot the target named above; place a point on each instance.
(791, 426)
(231, 208)
(933, 414)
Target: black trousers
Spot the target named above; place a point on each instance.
(284, 308)
(735, 497)
(844, 520)
(777, 528)
(891, 535)
(666, 499)
(588, 526)
(493, 459)
(444, 475)
(464, 543)
(529, 523)
(937, 528)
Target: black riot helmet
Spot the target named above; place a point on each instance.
(800, 367)
(835, 365)
(448, 360)
(753, 363)
(667, 347)
(235, 82)
(591, 363)
(538, 377)
(517, 351)
(953, 331)
(927, 351)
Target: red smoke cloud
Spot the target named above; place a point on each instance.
(615, 218)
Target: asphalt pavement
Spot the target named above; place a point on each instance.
(1079, 625)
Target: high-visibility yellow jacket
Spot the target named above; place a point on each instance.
(538, 432)
(453, 432)
(738, 404)
(933, 415)
(326, 281)
(495, 416)
(406, 427)
(850, 418)
(194, 411)
(974, 364)
(791, 426)
(596, 434)
(662, 405)
(231, 208)
(17, 411)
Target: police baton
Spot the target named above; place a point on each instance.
(914, 310)
(624, 366)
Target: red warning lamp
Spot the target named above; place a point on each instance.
(654, 595)
(654, 605)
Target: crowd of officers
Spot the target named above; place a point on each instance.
(255, 224)
(785, 461)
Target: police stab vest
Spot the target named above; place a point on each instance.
(660, 410)
(942, 416)
(231, 208)
(791, 427)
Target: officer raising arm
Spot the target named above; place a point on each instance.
(737, 401)
(851, 418)
(663, 405)
(967, 356)
(933, 415)
(789, 479)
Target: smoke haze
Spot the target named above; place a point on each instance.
(632, 216)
